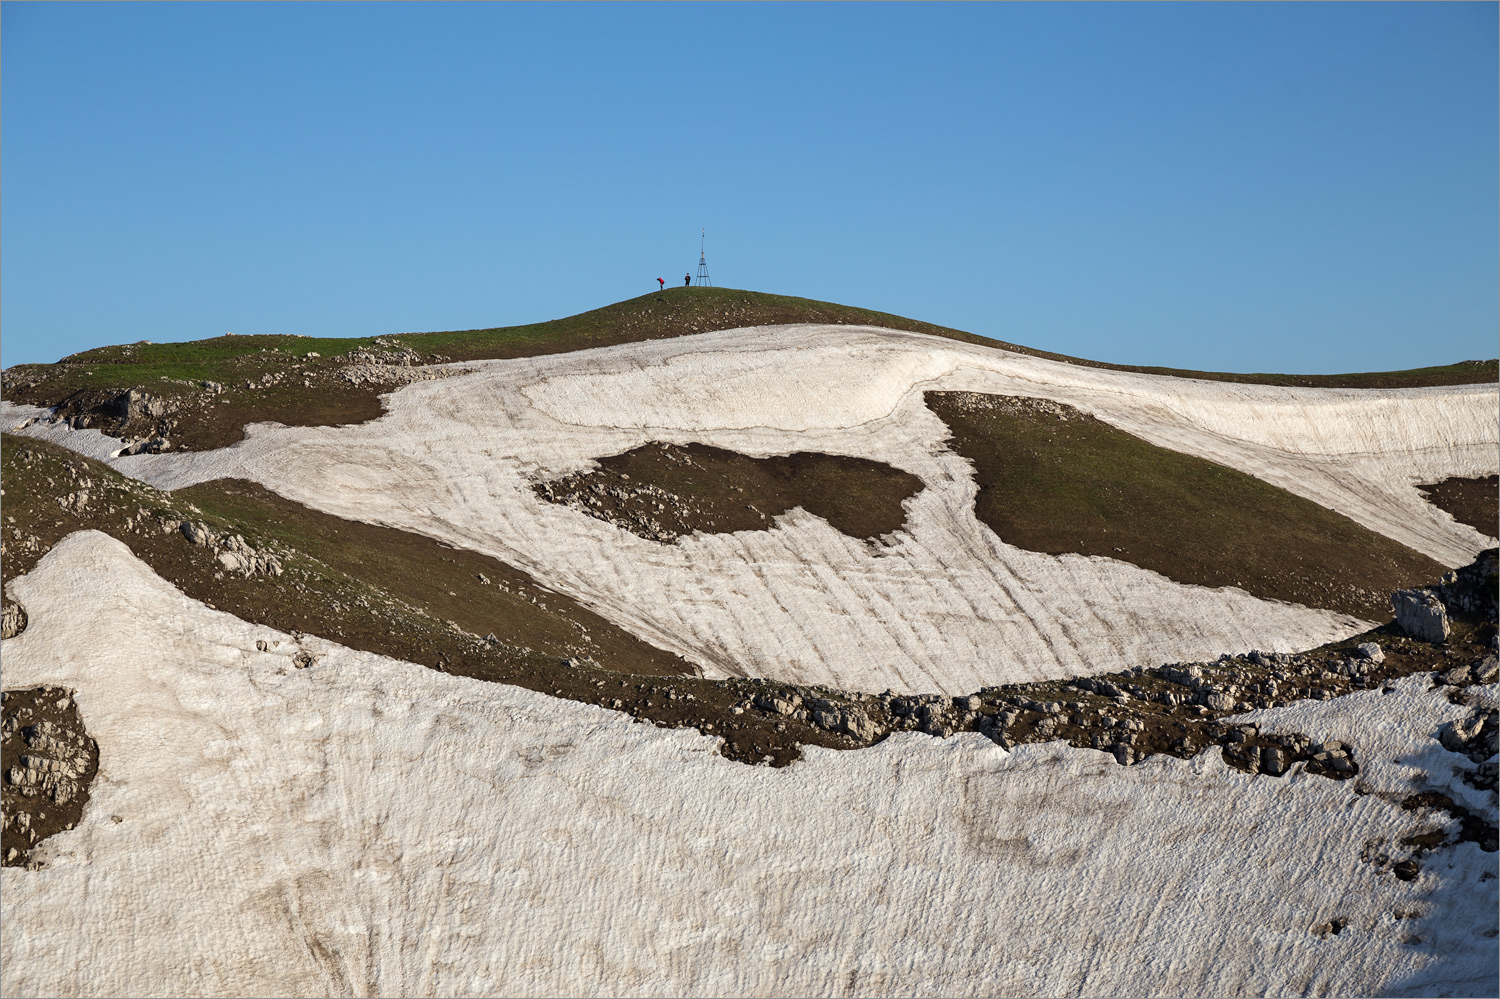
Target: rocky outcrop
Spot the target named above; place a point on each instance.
(232, 551)
(1469, 593)
(13, 621)
(48, 762)
(1474, 737)
(135, 405)
(388, 363)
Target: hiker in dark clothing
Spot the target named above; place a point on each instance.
(687, 279)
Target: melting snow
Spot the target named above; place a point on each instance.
(944, 606)
(367, 826)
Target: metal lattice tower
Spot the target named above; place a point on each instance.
(702, 280)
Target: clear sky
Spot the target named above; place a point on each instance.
(1284, 187)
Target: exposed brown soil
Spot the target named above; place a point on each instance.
(1475, 502)
(331, 403)
(665, 491)
(1053, 479)
(49, 762)
(210, 389)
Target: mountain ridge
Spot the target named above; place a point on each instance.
(200, 395)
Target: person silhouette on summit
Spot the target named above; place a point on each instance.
(687, 279)
(661, 284)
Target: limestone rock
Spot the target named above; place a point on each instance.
(198, 534)
(778, 704)
(13, 621)
(1420, 614)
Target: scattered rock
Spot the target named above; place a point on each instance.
(231, 551)
(75, 502)
(778, 704)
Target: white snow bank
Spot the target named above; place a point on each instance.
(368, 826)
(945, 606)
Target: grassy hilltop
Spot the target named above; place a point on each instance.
(207, 390)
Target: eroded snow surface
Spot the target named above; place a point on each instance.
(366, 826)
(941, 606)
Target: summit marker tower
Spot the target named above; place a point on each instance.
(702, 280)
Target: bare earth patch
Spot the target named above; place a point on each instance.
(665, 491)
(1474, 501)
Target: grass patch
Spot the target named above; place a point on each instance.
(1052, 479)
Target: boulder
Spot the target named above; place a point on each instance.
(1420, 614)
(1219, 701)
(1458, 676)
(1477, 737)
(196, 533)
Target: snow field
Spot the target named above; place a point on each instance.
(368, 826)
(944, 605)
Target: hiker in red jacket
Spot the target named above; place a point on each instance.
(662, 284)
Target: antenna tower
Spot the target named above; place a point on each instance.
(702, 280)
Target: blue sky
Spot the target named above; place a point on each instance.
(1287, 187)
